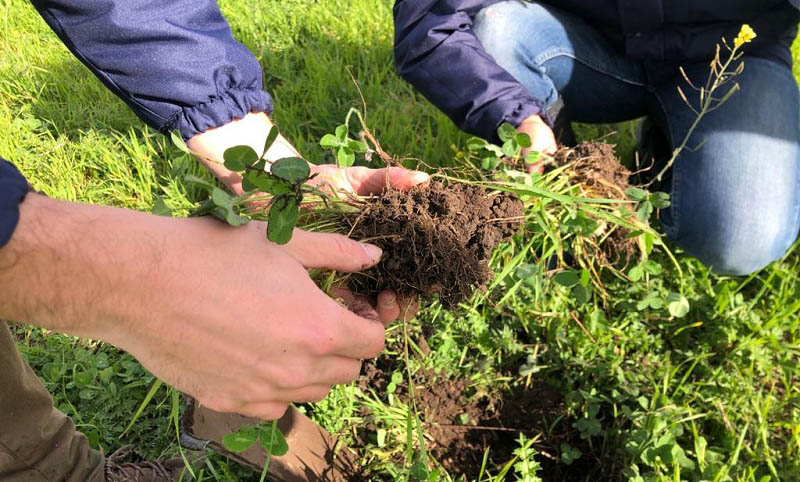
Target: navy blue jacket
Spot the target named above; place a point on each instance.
(174, 62)
(436, 51)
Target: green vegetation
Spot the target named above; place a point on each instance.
(665, 372)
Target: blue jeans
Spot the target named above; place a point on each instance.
(736, 199)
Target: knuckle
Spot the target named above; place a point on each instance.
(319, 394)
(276, 411)
(376, 345)
(343, 247)
(221, 405)
(292, 379)
(321, 339)
(272, 411)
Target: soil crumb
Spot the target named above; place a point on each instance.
(598, 172)
(437, 239)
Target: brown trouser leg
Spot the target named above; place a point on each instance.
(37, 442)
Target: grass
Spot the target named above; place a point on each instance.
(642, 395)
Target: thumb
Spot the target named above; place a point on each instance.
(332, 251)
(374, 181)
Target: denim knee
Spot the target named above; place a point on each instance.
(519, 36)
(740, 212)
(744, 255)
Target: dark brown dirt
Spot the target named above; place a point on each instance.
(464, 424)
(598, 172)
(437, 239)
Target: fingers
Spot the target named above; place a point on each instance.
(543, 140)
(358, 304)
(367, 181)
(387, 307)
(332, 251)
(355, 336)
(391, 307)
(264, 411)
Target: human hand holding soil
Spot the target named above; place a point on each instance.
(253, 130)
(217, 312)
(543, 140)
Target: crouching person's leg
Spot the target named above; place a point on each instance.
(37, 442)
(736, 199)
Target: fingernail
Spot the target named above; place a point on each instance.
(420, 177)
(372, 251)
(387, 299)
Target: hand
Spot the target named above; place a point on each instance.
(362, 181)
(217, 312)
(252, 130)
(543, 140)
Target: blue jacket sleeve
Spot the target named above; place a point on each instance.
(174, 62)
(13, 188)
(437, 52)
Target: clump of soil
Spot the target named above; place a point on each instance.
(463, 425)
(437, 239)
(598, 172)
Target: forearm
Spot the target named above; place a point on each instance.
(75, 268)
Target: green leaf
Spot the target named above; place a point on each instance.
(496, 150)
(527, 270)
(341, 133)
(177, 140)
(533, 157)
(489, 162)
(292, 169)
(644, 211)
(238, 158)
(272, 440)
(586, 277)
(569, 453)
(523, 139)
(660, 200)
(160, 208)
(636, 273)
(283, 215)
(677, 305)
(266, 182)
(190, 179)
(582, 294)
(329, 141)
(357, 146)
(241, 440)
(636, 194)
(567, 278)
(506, 132)
(475, 144)
(233, 219)
(345, 157)
(221, 198)
(510, 148)
(589, 427)
(653, 267)
(273, 134)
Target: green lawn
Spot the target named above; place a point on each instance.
(632, 394)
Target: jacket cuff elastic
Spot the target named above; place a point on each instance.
(220, 110)
(13, 188)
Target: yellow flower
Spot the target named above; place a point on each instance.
(746, 35)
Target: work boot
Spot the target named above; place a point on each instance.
(119, 471)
